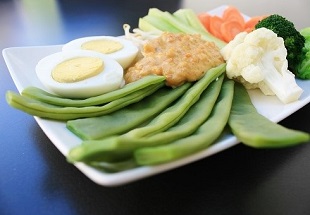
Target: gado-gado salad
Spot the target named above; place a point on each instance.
(171, 87)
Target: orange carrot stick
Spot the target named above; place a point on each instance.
(205, 20)
(215, 26)
(232, 13)
(230, 29)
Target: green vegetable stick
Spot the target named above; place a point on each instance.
(160, 24)
(189, 123)
(115, 148)
(41, 95)
(180, 14)
(189, 17)
(171, 20)
(126, 118)
(255, 130)
(174, 113)
(207, 133)
(147, 26)
(160, 17)
(41, 109)
(114, 167)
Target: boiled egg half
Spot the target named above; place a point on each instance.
(79, 73)
(122, 50)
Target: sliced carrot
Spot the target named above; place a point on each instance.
(215, 26)
(232, 13)
(230, 29)
(205, 20)
(230, 24)
(250, 24)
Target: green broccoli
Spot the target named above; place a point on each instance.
(306, 33)
(293, 40)
(304, 66)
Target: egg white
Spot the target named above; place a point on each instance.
(109, 79)
(124, 56)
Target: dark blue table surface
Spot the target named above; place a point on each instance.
(35, 177)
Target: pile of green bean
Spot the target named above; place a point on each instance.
(193, 122)
(168, 126)
(37, 102)
(147, 123)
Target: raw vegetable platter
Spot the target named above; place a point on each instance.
(21, 62)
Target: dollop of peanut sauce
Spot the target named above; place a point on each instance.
(177, 56)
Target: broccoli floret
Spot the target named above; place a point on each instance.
(293, 40)
(304, 66)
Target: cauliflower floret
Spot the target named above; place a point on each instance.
(239, 38)
(258, 60)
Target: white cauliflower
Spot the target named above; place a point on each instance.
(258, 60)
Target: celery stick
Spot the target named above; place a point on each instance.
(160, 24)
(188, 16)
(179, 14)
(147, 26)
(169, 18)
(159, 16)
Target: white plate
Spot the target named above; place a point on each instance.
(21, 62)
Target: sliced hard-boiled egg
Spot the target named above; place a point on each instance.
(79, 74)
(122, 50)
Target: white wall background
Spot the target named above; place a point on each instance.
(297, 11)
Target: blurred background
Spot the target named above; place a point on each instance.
(48, 22)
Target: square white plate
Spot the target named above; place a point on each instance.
(21, 62)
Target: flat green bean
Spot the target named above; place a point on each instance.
(174, 113)
(41, 95)
(114, 167)
(189, 123)
(41, 109)
(207, 134)
(127, 118)
(255, 130)
(117, 147)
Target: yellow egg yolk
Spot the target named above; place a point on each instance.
(103, 46)
(77, 69)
